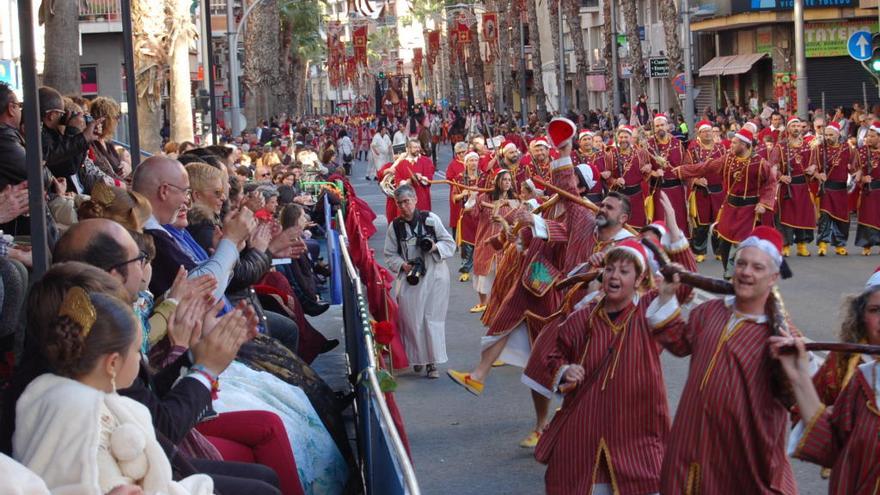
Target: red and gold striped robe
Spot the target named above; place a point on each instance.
(729, 430)
(845, 438)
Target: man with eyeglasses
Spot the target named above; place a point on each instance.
(454, 171)
(64, 147)
(165, 184)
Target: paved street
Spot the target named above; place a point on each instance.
(463, 444)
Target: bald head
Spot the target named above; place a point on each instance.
(163, 181)
(102, 243)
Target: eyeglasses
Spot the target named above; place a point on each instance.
(185, 190)
(141, 258)
(18, 104)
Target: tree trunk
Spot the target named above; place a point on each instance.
(553, 10)
(537, 67)
(505, 88)
(516, 48)
(261, 47)
(477, 69)
(148, 31)
(609, 43)
(573, 14)
(669, 16)
(180, 27)
(635, 47)
(61, 66)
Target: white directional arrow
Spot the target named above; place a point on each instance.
(863, 44)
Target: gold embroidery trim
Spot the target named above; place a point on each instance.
(603, 452)
(725, 336)
(807, 429)
(692, 485)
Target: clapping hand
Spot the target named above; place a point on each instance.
(13, 202)
(183, 285)
(260, 237)
(222, 339)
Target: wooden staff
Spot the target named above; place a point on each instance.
(586, 203)
(697, 280)
(462, 186)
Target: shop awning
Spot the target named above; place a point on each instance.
(728, 65)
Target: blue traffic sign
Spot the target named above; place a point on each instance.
(859, 46)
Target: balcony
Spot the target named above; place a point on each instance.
(99, 16)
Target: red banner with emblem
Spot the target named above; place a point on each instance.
(463, 29)
(359, 42)
(433, 46)
(490, 35)
(417, 63)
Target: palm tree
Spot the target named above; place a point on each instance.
(262, 45)
(669, 16)
(180, 34)
(477, 70)
(300, 44)
(639, 79)
(504, 86)
(609, 43)
(537, 68)
(150, 56)
(553, 9)
(61, 66)
(573, 15)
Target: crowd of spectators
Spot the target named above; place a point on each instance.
(168, 347)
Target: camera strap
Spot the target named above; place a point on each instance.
(418, 226)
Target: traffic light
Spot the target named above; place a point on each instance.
(873, 64)
(381, 75)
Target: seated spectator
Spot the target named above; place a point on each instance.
(170, 149)
(73, 429)
(103, 152)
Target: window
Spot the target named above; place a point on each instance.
(590, 4)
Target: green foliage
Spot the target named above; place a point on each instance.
(300, 25)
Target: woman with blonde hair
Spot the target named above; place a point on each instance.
(106, 157)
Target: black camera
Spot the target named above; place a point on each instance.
(426, 244)
(415, 274)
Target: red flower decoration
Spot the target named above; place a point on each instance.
(383, 331)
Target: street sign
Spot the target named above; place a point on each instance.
(678, 84)
(859, 46)
(658, 67)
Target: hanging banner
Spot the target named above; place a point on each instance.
(359, 37)
(351, 70)
(433, 46)
(463, 28)
(490, 35)
(400, 66)
(417, 63)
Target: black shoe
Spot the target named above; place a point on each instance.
(314, 308)
(329, 346)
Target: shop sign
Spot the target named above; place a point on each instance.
(828, 39)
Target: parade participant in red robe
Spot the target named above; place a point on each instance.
(729, 431)
(868, 175)
(414, 169)
(833, 162)
(750, 187)
(554, 243)
(490, 208)
(667, 152)
(538, 158)
(509, 158)
(609, 434)
(841, 435)
(707, 192)
(797, 217)
(590, 183)
(466, 229)
(454, 171)
(478, 145)
(624, 167)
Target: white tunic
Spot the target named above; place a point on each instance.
(422, 307)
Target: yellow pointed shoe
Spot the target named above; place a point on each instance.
(786, 251)
(802, 249)
(866, 251)
(823, 249)
(464, 379)
(717, 257)
(499, 363)
(464, 277)
(479, 308)
(701, 258)
(840, 251)
(530, 441)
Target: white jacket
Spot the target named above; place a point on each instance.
(57, 436)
